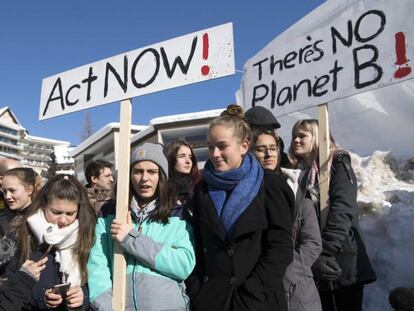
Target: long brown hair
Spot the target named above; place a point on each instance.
(62, 187)
(165, 197)
(171, 150)
(28, 177)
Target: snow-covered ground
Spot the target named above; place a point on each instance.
(386, 207)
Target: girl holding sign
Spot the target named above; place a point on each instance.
(242, 225)
(343, 267)
(58, 225)
(156, 239)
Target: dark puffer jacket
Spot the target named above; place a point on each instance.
(16, 291)
(341, 237)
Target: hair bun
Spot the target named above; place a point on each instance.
(233, 111)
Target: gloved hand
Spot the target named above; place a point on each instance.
(326, 268)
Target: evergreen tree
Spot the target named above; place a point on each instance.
(51, 171)
(87, 129)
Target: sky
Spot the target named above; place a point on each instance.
(43, 38)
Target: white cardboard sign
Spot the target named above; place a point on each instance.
(359, 46)
(192, 58)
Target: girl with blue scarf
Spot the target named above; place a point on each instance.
(242, 225)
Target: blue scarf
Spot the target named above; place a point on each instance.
(233, 191)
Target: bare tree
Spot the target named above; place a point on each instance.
(87, 129)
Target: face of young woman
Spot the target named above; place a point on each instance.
(144, 178)
(61, 212)
(302, 143)
(16, 194)
(183, 163)
(266, 151)
(225, 150)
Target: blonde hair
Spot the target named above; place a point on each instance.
(310, 126)
(233, 117)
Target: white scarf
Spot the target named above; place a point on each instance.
(292, 177)
(63, 240)
(141, 214)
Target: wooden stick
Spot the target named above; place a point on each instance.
(119, 275)
(323, 162)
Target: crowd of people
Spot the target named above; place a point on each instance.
(243, 233)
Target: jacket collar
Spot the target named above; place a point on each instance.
(252, 219)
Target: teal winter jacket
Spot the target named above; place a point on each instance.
(159, 258)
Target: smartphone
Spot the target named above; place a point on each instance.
(46, 252)
(61, 288)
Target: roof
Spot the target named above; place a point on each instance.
(102, 132)
(18, 125)
(46, 140)
(187, 116)
(174, 119)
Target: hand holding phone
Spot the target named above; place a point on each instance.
(74, 297)
(46, 252)
(35, 267)
(54, 296)
(61, 289)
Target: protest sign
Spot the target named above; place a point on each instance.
(192, 58)
(361, 46)
(196, 57)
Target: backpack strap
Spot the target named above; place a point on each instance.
(344, 158)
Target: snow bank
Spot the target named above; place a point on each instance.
(386, 208)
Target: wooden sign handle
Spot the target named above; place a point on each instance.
(122, 201)
(323, 121)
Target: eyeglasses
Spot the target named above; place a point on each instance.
(262, 151)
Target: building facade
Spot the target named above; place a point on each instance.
(32, 151)
(101, 145)
(10, 131)
(191, 127)
(37, 153)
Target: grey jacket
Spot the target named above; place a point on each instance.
(300, 289)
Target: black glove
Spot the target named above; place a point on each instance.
(326, 268)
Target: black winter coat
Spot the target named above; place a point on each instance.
(16, 291)
(244, 271)
(49, 277)
(341, 237)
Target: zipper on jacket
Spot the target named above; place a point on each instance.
(133, 286)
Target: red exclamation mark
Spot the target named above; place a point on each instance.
(205, 69)
(400, 50)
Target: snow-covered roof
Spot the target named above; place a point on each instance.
(187, 116)
(102, 132)
(4, 109)
(62, 154)
(176, 118)
(146, 131)
(46, 140)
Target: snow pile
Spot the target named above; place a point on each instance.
(386, 208)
